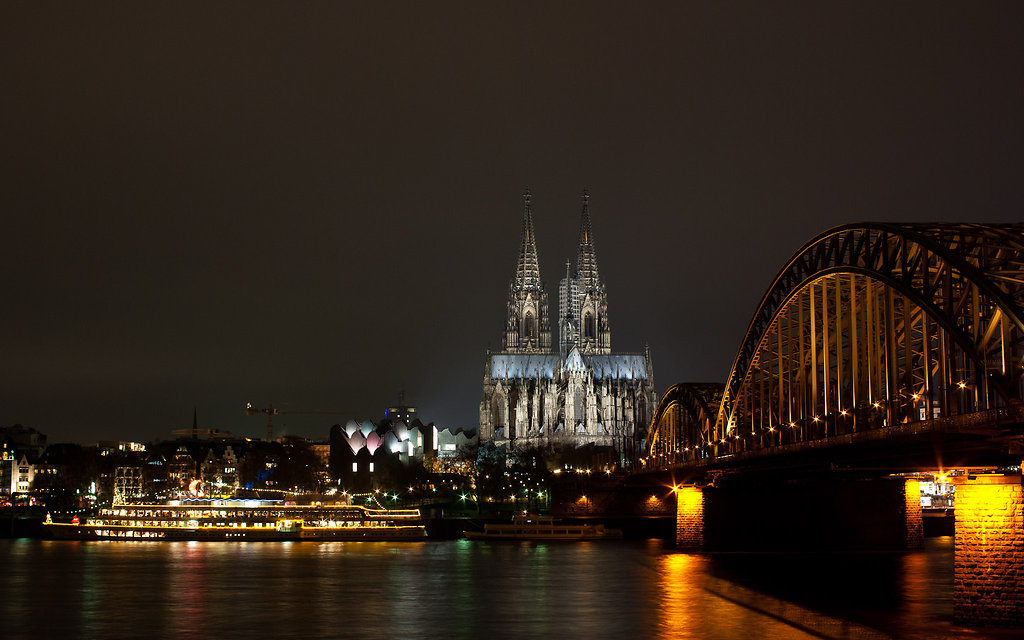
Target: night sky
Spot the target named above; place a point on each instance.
(315, 203)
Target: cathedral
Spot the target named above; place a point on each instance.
(539, 391)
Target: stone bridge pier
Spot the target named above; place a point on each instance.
(881, 514)
(807, 515)
(988, 571)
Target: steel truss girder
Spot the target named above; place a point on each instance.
(956, 289)
(686, 412)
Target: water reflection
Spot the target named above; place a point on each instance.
(926, 604)
(680, 585)
(465, 589)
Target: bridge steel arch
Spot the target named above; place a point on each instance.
(866, 326)
(684, 416)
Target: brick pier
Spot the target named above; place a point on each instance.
(690, 518)
(989, 566)
(812, 515)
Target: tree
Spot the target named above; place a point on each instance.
(296, 468)
(489, 472)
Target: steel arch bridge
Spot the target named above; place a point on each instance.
(867, 326)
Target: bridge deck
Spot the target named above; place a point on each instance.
(984, 438)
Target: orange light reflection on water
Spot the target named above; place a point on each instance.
(680, 581)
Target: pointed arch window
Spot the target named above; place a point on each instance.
(588, 325)
(528, 326)
(498, 412)
(640, 402)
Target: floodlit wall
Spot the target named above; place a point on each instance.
(988, 574)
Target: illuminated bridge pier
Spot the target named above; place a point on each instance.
(815, 514)
(989, 567)
(878, 351)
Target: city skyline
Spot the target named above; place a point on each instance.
(212, 207)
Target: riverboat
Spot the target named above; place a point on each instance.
(543, 529)
(242, 520)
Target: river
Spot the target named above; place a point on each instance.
(464, 589)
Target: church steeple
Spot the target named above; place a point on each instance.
(527, 328)
(583, 296)
(586, 259)
(527, 267)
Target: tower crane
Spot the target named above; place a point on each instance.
(272, 411)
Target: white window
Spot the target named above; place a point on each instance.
(371, 467)
(355, 467)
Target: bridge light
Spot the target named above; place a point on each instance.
(817, 419)
(916, 396)
(876, 405)
(962, 384)
(792, 424)
(771, 429)
(843, 412)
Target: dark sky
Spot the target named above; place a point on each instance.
(313, 203)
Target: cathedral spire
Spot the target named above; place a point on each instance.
(527, 328)
(586, 259)
(527, 267)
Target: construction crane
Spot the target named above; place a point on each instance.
(272, 411)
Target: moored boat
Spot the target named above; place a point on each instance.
(536, 528)
(242, 520)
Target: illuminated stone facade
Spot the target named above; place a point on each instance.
(690, 518)
(579, 393)
(912, 513)
(988, 572)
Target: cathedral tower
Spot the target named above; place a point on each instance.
(527, 327)
(583, 302)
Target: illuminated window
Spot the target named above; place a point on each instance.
(355, 467)
(371, 467)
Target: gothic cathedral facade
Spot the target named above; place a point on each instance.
(578, 392)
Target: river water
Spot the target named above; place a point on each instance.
(465, 589)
